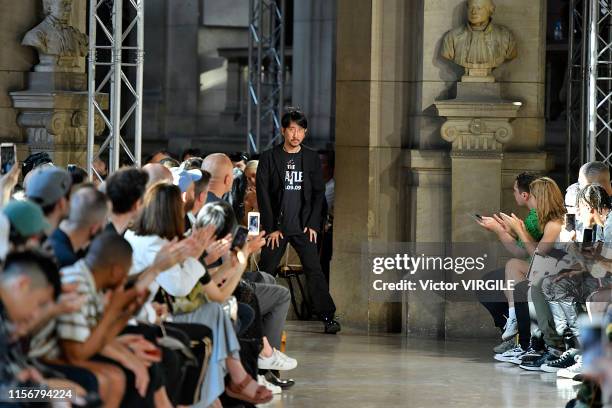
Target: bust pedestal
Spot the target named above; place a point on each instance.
(53, 111)
(478, 125)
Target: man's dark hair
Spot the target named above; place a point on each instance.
(294, 115)
(107, 249)
(239, 156)
(35, 263)
(202, 183)
(191, 152)
(523, 181)
(78, 174)
(33, 161)
(150, 157)
(221, 215)
(125, 187)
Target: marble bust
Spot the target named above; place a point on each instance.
(480, 45)
(59, 44)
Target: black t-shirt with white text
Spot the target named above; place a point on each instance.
(292, 194)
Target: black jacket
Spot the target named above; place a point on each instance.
(270, 189)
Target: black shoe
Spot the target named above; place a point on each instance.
(534, 364)
(331, 326)
(274, 379)
(565, 361)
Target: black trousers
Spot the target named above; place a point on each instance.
(322, 302)
(495, 300)
(521, 308)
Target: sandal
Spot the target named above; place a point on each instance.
(262, 394)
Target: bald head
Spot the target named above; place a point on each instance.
(220, 168)
(157, 173)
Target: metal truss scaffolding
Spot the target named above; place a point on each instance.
(266, 72)
(107, 53)
(589, 85)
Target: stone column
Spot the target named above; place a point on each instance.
(314, 24)
(181, 94)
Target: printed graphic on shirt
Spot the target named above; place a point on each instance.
(293, 177)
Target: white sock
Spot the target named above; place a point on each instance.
(511, 313)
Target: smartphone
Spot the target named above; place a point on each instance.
(476, 217)
(240, 237)
(8, 157)
(253, 223)
(570, 222)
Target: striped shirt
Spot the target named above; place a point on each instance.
(78, 326)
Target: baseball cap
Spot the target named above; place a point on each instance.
(48, 184)
(26, 217)
(183, 178)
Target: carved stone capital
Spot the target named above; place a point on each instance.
(477, 134)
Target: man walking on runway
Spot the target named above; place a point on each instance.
(290, 194)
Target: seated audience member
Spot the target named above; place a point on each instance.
(24, 292)
(78, 174)
(496, 303)
(567, 290)
(190, 153)
(35, 160)
(273, 299)
(100, 167)
(50, 188)
(88, 211)
(92, 331)
(27, 224)
(188, 286)
(157, 157)
(250, 196)
(185, 180)
(157, 173)
(548, 201)
(125, 189)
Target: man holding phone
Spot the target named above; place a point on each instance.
(290, 194)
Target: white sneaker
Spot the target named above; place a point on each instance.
(510, 329)
(510, 356)
(274, 389)
(277, 361)
(571, 371)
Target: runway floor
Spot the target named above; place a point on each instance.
(354, 371)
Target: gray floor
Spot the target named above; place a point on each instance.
(351, 370)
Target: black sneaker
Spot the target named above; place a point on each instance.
(331, 326)
(535, 364)
(536, 349)
(566, 360)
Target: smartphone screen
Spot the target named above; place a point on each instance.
(253, 223)
(570, 222)
(240, 237)
(8, 155)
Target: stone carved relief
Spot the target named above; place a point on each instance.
(480, 45)
(59, 44)
(477, 134)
